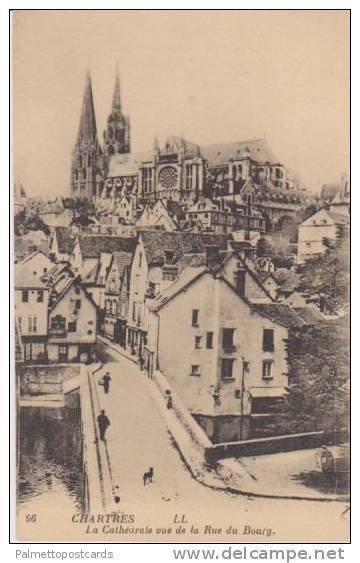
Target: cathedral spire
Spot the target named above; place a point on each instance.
(84, 172)
(87, 125)
(156, 146)
(116, 102)
(117, 130)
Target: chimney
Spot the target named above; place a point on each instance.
(212, 254)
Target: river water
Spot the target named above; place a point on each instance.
(49, 463)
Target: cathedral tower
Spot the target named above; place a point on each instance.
(117, 132)
(86, 150)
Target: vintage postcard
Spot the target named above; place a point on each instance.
(181, 223)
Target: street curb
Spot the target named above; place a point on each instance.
(226, 488)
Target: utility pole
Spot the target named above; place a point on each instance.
(244, 368)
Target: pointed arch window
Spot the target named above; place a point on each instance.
(188, 176)
(147, 179)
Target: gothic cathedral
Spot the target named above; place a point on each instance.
(89, 159)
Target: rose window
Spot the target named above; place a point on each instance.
(168, 177)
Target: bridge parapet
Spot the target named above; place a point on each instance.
(98, 494)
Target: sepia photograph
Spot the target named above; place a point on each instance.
(181, 276)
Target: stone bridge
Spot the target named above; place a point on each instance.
(54, 387)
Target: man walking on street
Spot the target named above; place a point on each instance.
(106, 382)
(103, 423)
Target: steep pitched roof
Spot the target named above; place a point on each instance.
(200, 259)
(257, 150)
(33, 254)
(263, 276)
(155, 242)
(93, 245)
(25, 279)
(280, 313)
(176, 144)
(310, 314)
(90, 276)
(188, 276)
(57, 271)
(65, 239)
(60, 292)
(122, 260)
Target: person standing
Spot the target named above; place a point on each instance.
(106, 382)
(103, 423)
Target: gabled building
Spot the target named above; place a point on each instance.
(72, 322)
(88, 249)
(340, 204)
(125, 210)
(94, 279)
(38, 263)
(157, 215)
(31, 313)
(269, 282)
(222, 218)
(62, 244)
(29, 243)
(233, 362)
(116, 296)
(321, 225)
(154, 266)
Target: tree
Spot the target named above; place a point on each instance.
(328, 275)
(83, 213)
(264, 248)
(317, 398)
(282, 261)
(23, 223)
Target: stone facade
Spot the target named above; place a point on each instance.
(229, 351)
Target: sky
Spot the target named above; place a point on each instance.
(209, 76)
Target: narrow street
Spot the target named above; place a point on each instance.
(138, 439)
